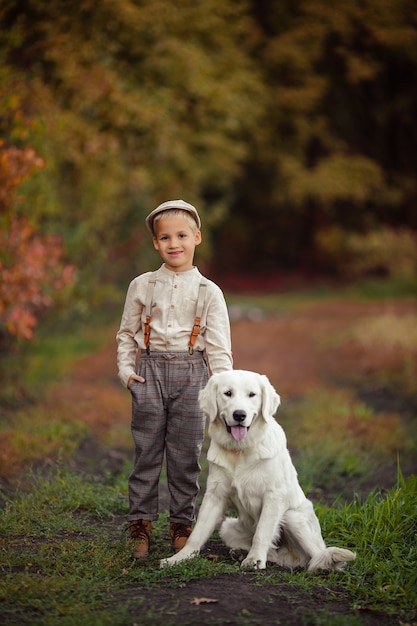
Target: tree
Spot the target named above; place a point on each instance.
(31, 267)
(139, 102)
(337, 142)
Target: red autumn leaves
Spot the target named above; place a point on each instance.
(31, 263)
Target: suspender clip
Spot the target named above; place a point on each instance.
(194, 334)
(147, 333)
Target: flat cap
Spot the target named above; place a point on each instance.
(172, 204)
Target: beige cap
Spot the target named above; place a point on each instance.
(172, 204)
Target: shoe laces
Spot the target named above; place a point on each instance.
(137, 530)
(180, 530)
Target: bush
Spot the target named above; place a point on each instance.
(386, 252)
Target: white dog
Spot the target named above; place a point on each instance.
(251, 470)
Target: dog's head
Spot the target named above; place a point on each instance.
(238, 397)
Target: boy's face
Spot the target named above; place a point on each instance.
(175, 241)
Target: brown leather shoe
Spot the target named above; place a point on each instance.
(140, 537)
(179, 534)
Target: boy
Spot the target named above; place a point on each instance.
(170, 318)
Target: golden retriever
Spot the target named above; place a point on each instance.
(250, 469)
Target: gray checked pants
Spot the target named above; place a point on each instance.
(166, 418)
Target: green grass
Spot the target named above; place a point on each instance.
(51, 356)
(383, 530)
(27, 371)
(65, 558)
(31, 433)
(335, 437)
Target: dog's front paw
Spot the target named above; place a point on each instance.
(167, 562)
(253, 563)
(182, 555)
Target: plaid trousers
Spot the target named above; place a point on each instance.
(166, 418)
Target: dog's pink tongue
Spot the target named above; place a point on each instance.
(239, 432)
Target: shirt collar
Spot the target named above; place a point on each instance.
(167, 272)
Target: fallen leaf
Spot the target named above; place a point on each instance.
(202, 601)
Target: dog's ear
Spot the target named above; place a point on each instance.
(270, 398)
(208, 398)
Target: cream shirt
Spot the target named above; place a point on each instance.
(172, 318)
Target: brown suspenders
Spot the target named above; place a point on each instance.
(148, 310)
(202, 290)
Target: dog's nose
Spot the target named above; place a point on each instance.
(239, 416)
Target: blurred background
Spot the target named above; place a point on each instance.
(291, 125)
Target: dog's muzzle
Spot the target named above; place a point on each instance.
(238, 431)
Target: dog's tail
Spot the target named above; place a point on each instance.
(331, 559)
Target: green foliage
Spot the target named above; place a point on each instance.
(32, 268)
(26, 373)
(329, 59)
(31, 272)
(278, 121)
(383, 530)
(384, 252)
(134, 106)
(337, 141)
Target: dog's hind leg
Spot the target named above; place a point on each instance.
(286, 558)
(303, 533)
(286, 552)
(300, 537)
(235, 535)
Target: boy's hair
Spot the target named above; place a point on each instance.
(176, 213)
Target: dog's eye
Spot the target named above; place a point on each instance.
(251, 394)
(228, 394)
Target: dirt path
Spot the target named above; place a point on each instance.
(293, 350)
(282, 348)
